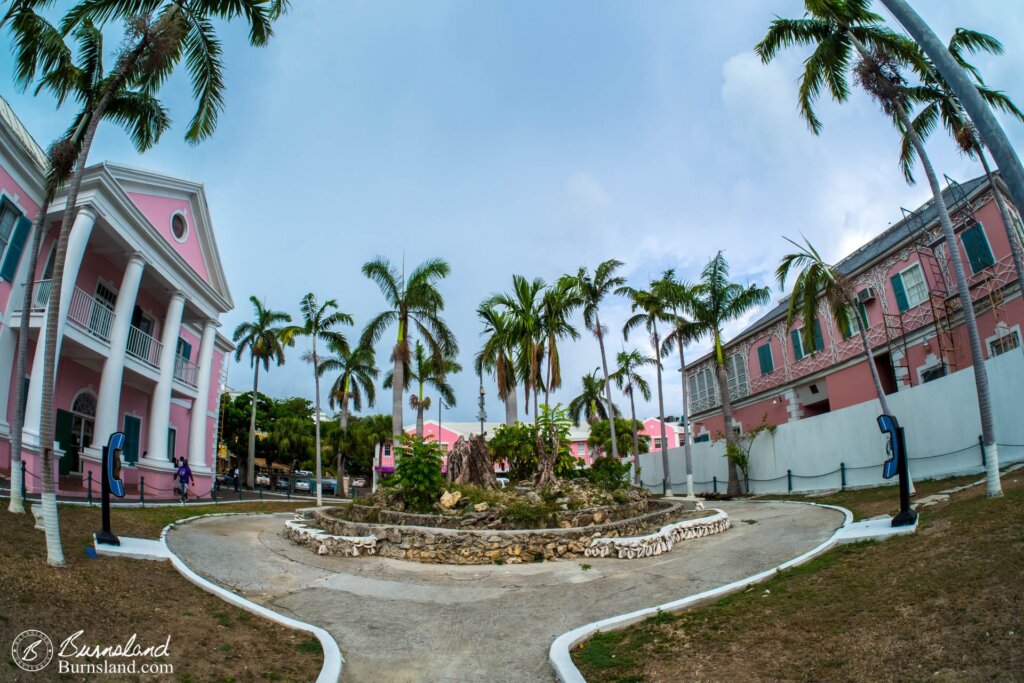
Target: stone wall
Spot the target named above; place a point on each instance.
(483, 546)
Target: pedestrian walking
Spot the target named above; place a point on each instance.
(184, 478)
(235, 476)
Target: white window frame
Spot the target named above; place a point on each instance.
(171, 456)
(906, 290)
(184, 217)
(1006, 332)
(738, 386)
(17, 207)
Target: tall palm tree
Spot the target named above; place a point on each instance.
(678, 297)
(498, 356)
(591, 291)
(523, 307)
(265, 338)
(426, 370)
(378, 429)
(319, 321)
(717, 301)
(590, 402)
(941, 104)
(628, 379)
(556, 306)
(649, 309)
(414, 301)
(837, 28)
(357, 368)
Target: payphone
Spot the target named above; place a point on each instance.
(896, 465)
(111, 484)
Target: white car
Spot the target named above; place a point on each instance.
(503, 482)
(263, 479)
(303, 485)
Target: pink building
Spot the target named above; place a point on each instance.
(909, 305)
(139, 350)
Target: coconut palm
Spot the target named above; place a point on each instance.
(320, 322)
(837, 28)
(678, 296)
(941, 104)
(426, 370)
(378, 430)
(590, 404)
(498, 356)
(414, 301)
(628, 379)
(264, 338)
(591, 290)
(649, 309)
(357, 371)
(523, 307)
(556, 306)
(717, 301)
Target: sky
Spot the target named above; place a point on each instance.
(533, 138)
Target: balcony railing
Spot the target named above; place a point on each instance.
(144, 347)
(91, 314)
(185, 370)
(40, 295)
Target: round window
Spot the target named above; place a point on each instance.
(179, 227)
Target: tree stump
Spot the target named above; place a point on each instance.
(457, 462)
(470, 463)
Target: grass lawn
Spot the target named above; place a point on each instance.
(944, 604)
(210, 640)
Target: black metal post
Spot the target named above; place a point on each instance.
(906, 516)
(789, 480)
(142, 491)
(24, 479)
(714, 484)
(213, 491)
(261, 491)
(89, 492)
(842, 474)
(981, 445)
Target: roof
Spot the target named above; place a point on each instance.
(32, 147)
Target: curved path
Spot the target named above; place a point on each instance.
(404, 622)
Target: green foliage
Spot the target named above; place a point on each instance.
(516, 444)
(608, 473)
(553, 424)
(600, 436)
(529, 515)
(418, 472)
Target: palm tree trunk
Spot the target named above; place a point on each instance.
(687, 452)
(607, 384)
(316, 424)
(511, 409)
(661, 417)
(636, 439)
(17, 505)
(419, 420)
(730, 436)
(342, 487)
(871, 364)
(250, 463)
(1004, 213)
(547, 380)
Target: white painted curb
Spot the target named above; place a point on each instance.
(561, 660)
(333, 661)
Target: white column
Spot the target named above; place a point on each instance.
(197, 449)
(109, 403)
(8, 335)
(77, 242)
(160, 406)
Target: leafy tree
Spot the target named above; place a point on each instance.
(553, 439)
(414, 301)
(427, 371)
(628, 434)
(628, 379)
(516, 446)
(590, 402)
(609, 473)
(418, 472)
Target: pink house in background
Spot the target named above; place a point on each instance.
(139, 350)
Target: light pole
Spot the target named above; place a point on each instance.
(482, 415)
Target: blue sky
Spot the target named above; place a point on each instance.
(532, 138)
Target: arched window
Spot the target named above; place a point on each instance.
(84, 404)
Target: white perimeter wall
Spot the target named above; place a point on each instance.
(942, 428)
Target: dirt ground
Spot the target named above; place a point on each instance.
(111, 599)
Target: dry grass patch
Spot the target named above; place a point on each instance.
(944, 604)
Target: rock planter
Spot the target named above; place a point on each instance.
(660, 541)
(328, 544)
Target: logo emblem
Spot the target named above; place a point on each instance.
(32, 650)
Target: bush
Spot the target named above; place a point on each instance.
(516, 444)
(418, 472)
(608, 473)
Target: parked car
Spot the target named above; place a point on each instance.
(283, 483)
(359, 483)
(328, 486)
(225, 479)
(303, 485)
(502, 482)
(263, 479)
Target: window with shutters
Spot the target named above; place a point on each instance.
(855, 320)
(736, 371)
(14, 229)
(909, 287)
(977, 248)
(797, 338)
(9, 215)
(764, 358)
(703, 395)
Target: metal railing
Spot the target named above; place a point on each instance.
(144, 347)
(185, 370)
(91, 314)
(40, 295)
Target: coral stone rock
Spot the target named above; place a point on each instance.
(450, 499)
(480, 507)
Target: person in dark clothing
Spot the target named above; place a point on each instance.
(184, 478)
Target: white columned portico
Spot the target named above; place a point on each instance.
(78, 239)
(160, 406)
(109, 403)
(197, 449)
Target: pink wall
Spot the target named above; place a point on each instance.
(17, 194)
(159, 211)
(652, 429)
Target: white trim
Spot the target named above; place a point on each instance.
(906, 290)
(1005, 331)
(184, 216)
(172, 455)
(561, 660)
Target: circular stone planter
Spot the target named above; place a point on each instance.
(328, 531)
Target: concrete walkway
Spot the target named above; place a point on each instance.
(404, 622)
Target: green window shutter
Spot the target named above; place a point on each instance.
(976, 245)
(819, 341)
(846, 327)
(764, 359)
(17, 245)
(863, 316)
(901, 294)
(797, 348)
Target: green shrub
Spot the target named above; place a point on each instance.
(418, 472)
(608, 473)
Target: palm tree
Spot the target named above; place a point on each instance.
(941, 104)
(836, 28)
(628, 379)
(678, 297)
(556, 305)
(357, 368)
(523, 308)
(590, 402)
(717, 301)
(650, 308)
(319, 322)
(265, 338)
(426, 370)
(378, 430)
(498, 356)
(591, 291)
(414, 301)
